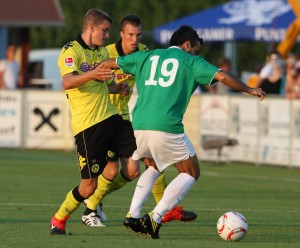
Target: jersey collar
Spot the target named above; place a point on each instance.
(83, 44)
(176, 47)
(120, 49)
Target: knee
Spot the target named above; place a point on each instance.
(133, 174)
(195, 172)
(130, 169)
(197, 175)
(87, 190)
(110, 172)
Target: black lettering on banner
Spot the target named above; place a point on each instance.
(46, 119)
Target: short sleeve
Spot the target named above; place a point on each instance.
(204, 71)
(128, 63)
(67, 62)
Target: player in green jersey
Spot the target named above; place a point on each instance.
(112, 179)
(165, 80)
(96, 124)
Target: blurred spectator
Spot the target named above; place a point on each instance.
(225, 65)
(292, 88)
(10, 77)
(272, 76)
(253, 78)
(274, 83)
(266, 70)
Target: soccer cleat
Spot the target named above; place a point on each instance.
(151, 226)
(135, 224)
(177, 213)
(101, 213)
(58, 226)
(92, 219)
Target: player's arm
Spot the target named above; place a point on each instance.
(74, 80)
(2, 84)
(236, 84)
(109, 63)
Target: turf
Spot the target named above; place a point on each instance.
(34, 183)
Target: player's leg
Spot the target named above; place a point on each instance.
(126, 145)
(160, 183)
(110, 180)
(127, 173)
(105, 182)
(174, 193)
(141, 194)
(70, 204)
(179, 186)
(186, 162)
(105, 135)
(89, 173)
(177, 213)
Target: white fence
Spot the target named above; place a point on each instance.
(35, 119)
(268, 132)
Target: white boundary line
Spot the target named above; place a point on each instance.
(262, 178)
(24, 204)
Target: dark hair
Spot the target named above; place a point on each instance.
(183, 34)
(133, 19)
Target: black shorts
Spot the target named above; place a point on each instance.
(113, 134)
(112, 155)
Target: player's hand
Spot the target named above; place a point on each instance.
(123, 89)
(102, 73)
(258, 92)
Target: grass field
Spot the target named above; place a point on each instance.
(34, 183)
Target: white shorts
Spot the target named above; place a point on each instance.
(165, 148)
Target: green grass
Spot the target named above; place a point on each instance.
(34, 183)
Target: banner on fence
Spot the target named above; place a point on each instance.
(10, 118)
(244, 122)
(48, 121)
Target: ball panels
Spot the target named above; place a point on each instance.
(232, 226)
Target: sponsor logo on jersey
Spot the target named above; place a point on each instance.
(121, 76)
(69, 61)
(88, 67)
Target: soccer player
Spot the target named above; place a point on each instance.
(96, 124)
(112, 179)
(165, 80)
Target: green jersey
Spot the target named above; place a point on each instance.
(165, 81)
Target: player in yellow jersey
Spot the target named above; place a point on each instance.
(111, 180)
(96, 124)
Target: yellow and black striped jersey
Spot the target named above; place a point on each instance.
(115, 50)
(90, 102)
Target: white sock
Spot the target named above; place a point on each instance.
(142, 191)
(173, 194)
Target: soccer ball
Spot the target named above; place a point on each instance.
(232, 226)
